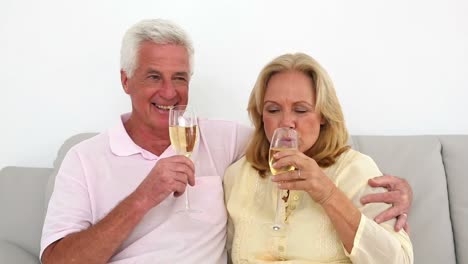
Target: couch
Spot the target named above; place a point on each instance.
(435, 166)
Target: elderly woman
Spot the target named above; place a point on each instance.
(323, 218)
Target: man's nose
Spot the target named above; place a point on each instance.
(168, 90)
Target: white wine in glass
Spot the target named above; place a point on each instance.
(183, 139)
(284, 138)
(183, 132)
(271, 160)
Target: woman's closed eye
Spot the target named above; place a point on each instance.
(301, 110)
(272, 110)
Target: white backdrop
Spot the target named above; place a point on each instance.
(400, 67)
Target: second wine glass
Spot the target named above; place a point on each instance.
(183, 132)
(284, 138)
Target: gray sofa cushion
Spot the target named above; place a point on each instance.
(457, 177)
(11, 253)
(21, 200)
(418, 158)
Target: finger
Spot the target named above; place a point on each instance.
(190, 171)
(180, 159)
(185, 178)
(286, 176)
(181, 167)
(178, 188)
(403, 202)
(184, 170)
(286, 161)
(178, 167)
(286, 153)
(191, 179)
(401, 222)
(385, 181)
(384, 197)
(406, 227)
(388, 214)
(297, 175)
(292, 185)
(179, 177)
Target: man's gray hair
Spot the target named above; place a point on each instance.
(159, 31)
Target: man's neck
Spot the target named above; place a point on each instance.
(154, 140)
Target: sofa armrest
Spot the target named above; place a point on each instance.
(11, 253)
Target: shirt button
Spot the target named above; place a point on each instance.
(281, 248)
(295, 197)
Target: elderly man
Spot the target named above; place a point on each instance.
(116, 195)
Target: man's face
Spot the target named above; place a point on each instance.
(160, 81)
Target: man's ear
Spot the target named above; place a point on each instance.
(124, 80)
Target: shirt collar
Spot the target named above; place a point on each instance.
(121, 144)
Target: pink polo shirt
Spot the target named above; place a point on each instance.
(100, 172)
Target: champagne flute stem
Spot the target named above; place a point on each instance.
(187, 205)
(277, 224)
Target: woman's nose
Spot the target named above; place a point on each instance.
(288, 120)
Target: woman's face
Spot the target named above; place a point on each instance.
(290, 102)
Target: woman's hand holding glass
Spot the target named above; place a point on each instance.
(307, 177)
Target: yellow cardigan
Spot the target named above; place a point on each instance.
(309, 236)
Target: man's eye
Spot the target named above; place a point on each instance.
(183, 79)
(155, 77)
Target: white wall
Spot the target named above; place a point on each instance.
(400, 67)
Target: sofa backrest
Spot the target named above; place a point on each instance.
(421, 160)
(22, 206)
(455, 157)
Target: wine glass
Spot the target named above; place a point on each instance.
(183, 132)
(284, 138)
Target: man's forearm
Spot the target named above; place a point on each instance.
(98, 243)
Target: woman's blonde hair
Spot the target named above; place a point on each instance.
(333, 137)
